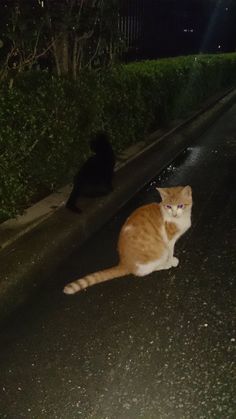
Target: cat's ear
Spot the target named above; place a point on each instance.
(163, 192)
(187, 191)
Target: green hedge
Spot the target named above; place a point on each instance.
(46, 122)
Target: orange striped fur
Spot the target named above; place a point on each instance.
(147, 238)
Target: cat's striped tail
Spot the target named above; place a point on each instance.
(95, 278)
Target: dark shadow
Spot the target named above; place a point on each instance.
(95, 177)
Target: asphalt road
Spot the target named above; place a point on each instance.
(157, 347)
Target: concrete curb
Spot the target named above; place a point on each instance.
(28, 261)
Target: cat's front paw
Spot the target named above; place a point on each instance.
(175, 261)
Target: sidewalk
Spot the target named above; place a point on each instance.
(34, 244)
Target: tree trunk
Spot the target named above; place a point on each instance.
(55, 54)
(65, 54)
(61, 54)
(75, 58)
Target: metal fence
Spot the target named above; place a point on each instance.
(131, 26)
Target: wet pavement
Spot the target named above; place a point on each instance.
(157, 347)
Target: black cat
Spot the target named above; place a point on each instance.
(95, 176)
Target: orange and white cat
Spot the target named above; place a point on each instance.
(147, 238)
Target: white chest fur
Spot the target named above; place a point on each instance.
(183, 223)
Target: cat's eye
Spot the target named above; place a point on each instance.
(180, 205)
(168, 206)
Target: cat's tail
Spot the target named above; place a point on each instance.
(95, 278)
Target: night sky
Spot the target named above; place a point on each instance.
(180, 27)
